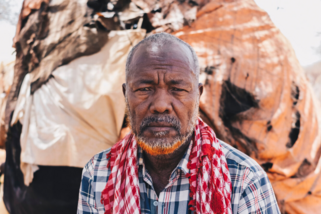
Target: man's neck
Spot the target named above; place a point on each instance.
(160, 167)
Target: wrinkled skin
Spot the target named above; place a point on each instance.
(161, 82)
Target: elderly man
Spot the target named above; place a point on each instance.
(172, 161)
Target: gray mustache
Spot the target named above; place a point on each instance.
(172, 121)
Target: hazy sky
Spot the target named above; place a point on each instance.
(7, 30)
(298, 20)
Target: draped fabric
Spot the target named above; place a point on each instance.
(79, 111)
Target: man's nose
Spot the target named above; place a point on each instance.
(161, 103)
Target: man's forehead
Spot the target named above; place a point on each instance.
(155, 76)
(171, 54)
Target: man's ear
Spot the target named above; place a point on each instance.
(124, 89)
(200, 88)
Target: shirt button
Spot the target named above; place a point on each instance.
(155, 203)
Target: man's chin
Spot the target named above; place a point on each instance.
(156, 150)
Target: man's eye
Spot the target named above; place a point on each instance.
(144, 89)
(178, 89)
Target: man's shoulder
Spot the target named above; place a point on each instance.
(98, 162)
(237, 160)
(101, 156)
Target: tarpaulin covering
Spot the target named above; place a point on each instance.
(53, 36)
(79, 111)
(257, 98)
(27, 7)
(54, 33)
(169, 15)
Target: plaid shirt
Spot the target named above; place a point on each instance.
(251, 189)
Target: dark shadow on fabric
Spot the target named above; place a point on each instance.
(53, 190)
(235, 100)
(266, 166)
(295, 131)
(269, 126)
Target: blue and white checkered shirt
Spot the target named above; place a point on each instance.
(251, 188)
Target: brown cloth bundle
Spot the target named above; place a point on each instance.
(257, 98)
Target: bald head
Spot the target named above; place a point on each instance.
(160, 44)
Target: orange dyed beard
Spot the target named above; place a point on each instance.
(158, 150)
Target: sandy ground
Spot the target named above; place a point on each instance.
(3, 209)
(2, 156)
(2, 160)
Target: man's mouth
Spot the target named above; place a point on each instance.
(159, 127)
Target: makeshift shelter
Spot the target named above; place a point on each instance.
(66, 91)
(257, 98)
(65, 104)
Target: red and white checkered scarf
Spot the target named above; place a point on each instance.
(209, 177)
